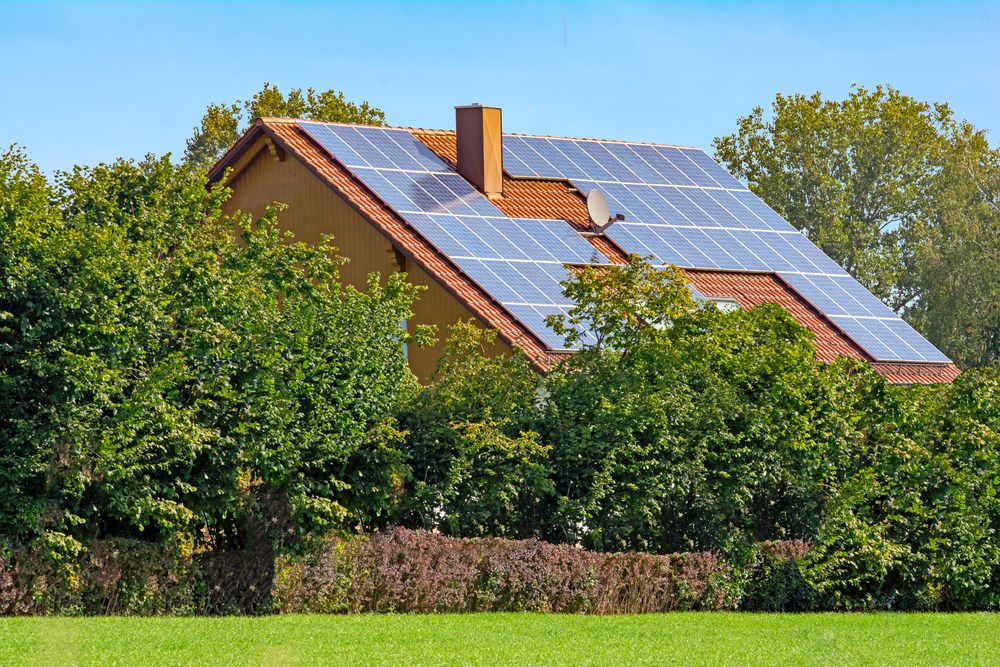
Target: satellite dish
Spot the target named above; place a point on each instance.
(597, 207)
(600, 214)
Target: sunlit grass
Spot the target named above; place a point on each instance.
(508, 639)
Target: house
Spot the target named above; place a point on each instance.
(489, 223)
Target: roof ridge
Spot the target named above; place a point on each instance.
(425, 130)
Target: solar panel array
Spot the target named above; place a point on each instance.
(518, 261)
(685, 209)
(680, 206)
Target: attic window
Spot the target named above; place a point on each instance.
(726, 304)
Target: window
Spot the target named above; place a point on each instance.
(726, 304)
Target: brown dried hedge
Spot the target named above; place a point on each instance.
(417, 571)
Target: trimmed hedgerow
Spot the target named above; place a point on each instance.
(418, 571)
(110, 577)
(397, 571)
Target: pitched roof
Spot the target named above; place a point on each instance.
(553, 200)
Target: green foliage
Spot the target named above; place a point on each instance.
(166, 373)
(623, 307)
(219, 130)
(899, 193)
(775, 581)
(956, 256)
(157, 360)
(220, 126)
(329, 105)
(685, 428)
(912, 522)
(477, 468)
(676, 438)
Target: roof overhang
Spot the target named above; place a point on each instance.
(253, 141)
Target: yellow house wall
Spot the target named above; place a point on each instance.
(314, 210)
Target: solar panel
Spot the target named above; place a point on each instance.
(919, 344)
(683, 208)
(519, 262)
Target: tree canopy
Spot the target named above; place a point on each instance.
(220, 126)
(158, 361)
(898, 192)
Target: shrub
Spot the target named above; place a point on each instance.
(775, 581)
(418, 571)
(913, 515)
(110, 577)
(477, 466)
(154, 355)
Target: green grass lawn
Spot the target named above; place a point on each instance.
(508, 639)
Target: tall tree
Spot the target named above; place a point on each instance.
(220, 126)
(156, 359)
(897, 192)
(955, 267)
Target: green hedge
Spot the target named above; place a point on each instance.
(399, 571)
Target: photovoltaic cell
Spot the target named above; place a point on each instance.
(635, 209)
(608, 161)
(436, 234)
(670, 174)
(555, 157)
(590, 167)
(653, 243)
(914, 340)
(513, 164)
(687, 167)
(694, 214)
(712, 208)
(559, 273)
(482, 271)
(522, 240)
(635, 164)
(856, 329)
(665, 211)
(534, 319)
(804, 285)
(538, 165)
(712, 168)
(685, 209)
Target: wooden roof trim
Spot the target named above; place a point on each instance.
(235, 154)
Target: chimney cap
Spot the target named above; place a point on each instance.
(474, 105)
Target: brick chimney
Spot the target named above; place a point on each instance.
(480, 148)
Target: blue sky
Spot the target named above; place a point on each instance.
(82, 83)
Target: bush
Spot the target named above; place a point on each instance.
(155, 358)
(172, 376)
(775, 582)
(405, 571)
(111, 577)
(912, 517)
